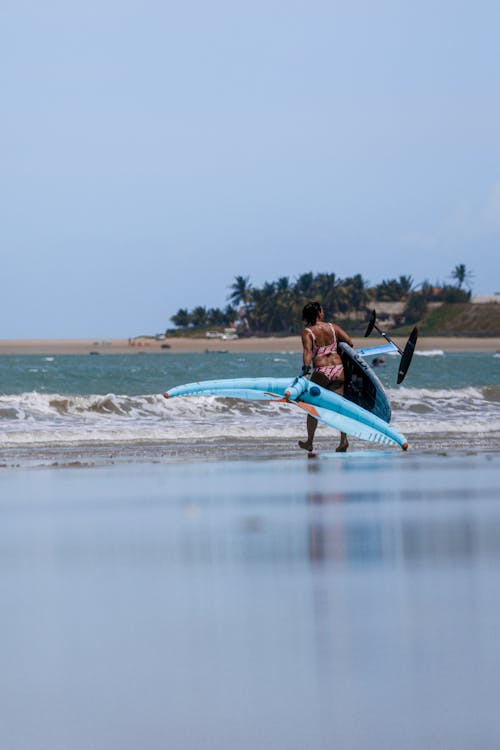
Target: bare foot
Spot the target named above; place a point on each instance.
(305, 446)
(342, 447)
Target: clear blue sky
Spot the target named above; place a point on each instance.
(153, 150)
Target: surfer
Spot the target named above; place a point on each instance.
(319, 341)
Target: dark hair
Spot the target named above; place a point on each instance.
(310, 312)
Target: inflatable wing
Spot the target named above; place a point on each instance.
(329, 408)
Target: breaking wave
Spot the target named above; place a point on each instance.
(43, 419)
(466, 410)
(54, 419)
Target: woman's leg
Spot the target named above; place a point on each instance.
(344, 443)
(336, 386)
(311, 425)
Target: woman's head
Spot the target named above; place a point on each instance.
(311, 312)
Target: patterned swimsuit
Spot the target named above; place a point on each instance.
(332, 372)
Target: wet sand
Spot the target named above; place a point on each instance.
(201, 345)
(350, 602)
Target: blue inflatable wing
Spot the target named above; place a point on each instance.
(325, 406)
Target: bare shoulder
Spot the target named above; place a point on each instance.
(306, 336)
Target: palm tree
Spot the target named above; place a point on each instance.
(266, 308)
(325, 290)
(254, 309)
(382, 291)
(182, 318)
(216, 317)
(356, 288)
(406, 285)
(303, 286)
(230, 315)
(462, 275)
(241, 288)
(283, 284)
(391, 290)
(342, 301)
(199, 317)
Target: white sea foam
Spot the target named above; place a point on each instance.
(446, 412)
(422, 394)
(419, 353)
(47, 419)
(39, 419)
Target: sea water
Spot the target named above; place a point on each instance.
(179, 574)
(109, 407)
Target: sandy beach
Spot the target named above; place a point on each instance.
(283, 606)
(199, 345)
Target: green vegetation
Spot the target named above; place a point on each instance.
(462, 319)
(276, 307)
(462, 276)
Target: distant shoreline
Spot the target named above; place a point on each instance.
(185, 345)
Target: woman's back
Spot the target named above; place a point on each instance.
(324, 339)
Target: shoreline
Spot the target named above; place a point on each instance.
(185, 345)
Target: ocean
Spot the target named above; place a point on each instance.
(179, 574)
(110, 407)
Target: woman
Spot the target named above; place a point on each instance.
(319, 341)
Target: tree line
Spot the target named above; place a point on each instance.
(276, 307)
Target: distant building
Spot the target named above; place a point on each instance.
(481, 299)
(389, 313)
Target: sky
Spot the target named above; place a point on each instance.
(151, 151)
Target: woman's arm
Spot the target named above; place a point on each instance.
(342, 335)
(307, 348)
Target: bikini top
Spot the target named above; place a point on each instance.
(320, 351)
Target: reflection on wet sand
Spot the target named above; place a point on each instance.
(266, 604)
(409, 541)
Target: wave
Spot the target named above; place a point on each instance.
(460, 411)
(35, 418)
(430, 353)
(40, 419)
